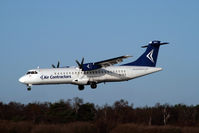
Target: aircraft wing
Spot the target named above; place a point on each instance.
(112, 61)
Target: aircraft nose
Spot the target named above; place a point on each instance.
(22, 80)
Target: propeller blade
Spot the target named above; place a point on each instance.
(58, 64)
(80, 64)
(53, 65)
(82, 61)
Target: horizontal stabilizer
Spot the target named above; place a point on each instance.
(155, 43)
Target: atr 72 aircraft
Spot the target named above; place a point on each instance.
(96, 72)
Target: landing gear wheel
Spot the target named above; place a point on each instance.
(29, 88)
(93, 85)
(80, 87)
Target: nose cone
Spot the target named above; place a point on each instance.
(22, 80)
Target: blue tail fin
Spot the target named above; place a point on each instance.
(149, 57)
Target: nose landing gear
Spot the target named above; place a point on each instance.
(29, 87)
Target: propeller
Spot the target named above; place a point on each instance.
(57, 65)
(80, 64)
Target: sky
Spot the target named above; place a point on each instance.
(39, 33)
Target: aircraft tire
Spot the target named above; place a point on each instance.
(93, 85)
(81, 87)
(29, 88)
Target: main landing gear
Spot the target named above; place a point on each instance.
(93, 85)
(81, 87)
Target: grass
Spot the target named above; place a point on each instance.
(87, 127)
(132, 128)
(27, 127)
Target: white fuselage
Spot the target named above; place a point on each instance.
(74, 75)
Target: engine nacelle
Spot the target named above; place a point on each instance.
(90, 66)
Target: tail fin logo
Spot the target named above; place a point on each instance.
(150, 56)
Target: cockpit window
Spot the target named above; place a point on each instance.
(31, 72)
(28, 73)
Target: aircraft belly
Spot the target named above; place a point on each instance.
(107, 78)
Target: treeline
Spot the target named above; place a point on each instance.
(103, 118)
